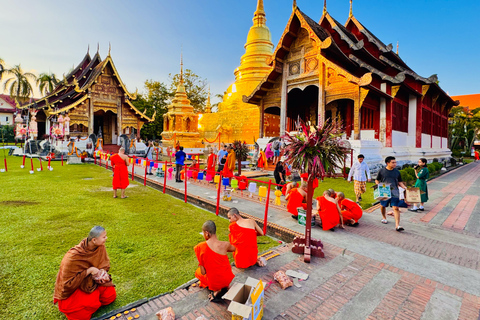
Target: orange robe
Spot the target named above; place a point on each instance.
(211, 162)
(245, 242)
(77, 295)
(294, 201)
(304, 176)
(328, 213)
(352, 210)
(120, 172)
(262, 160)
(477, 155)
(229, 165)
(219, 273)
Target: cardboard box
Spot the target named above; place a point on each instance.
(382, 192)
(246, 300)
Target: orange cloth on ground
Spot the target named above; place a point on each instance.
(211, 162)
(245, 242)
(120, 172)
(352, 210)
(219, 273)
(229, 164)
(81, 305)
(294, 201)
(262, 160)
(328, 213)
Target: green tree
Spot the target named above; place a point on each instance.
(155, 98)
(47, 83)
(18, 85)
(195, 86)
(464, 128)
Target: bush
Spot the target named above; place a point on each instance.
(456, 153)
(432, 168)
(438, 165)
(347, 170)
(410, 171)
(405, 176)
(8, 134)
(435, 160)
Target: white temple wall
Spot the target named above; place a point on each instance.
(444, 143)
(426, 141)
(399, 139)
(436, 142)
(412, 120)
(367, 135)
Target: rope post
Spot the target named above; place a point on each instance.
(49, 160)
(218, 195)
(5, 161)
(145, 176)
(23, 161)
(106, 164)
(165, 177)
(219, 139)
(62, 159)
(185, 180)
(266, 208)
(157, 154)
(344, 166)
(41, 165)
(133, 169)
(31, 163)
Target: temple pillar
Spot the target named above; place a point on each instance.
(356, 119)
(388, 122)
(139, 127)
(321, 96)
(119, 118)
(91, 115)
(262, 118)
(412, 120)
(283, 101)
(383, 119)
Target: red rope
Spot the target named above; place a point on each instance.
(218, 135)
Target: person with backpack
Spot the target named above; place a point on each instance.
(277, 144)
(149, 156)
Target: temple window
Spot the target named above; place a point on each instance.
(400, 116)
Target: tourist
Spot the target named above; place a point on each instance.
(351, 211)
(297, 199)
(179, 163)
(268, 151)
(229, 166)
(214, 270)
(243, 236)
(120, 172)
(262, 161)
(211, 162)
(422, 174)
(329, 212)
(279, 174)
(289, 186)
(357, 171)
(222, 157)
(149, 156)
(83, 284)
(391, 175)
(276, 145)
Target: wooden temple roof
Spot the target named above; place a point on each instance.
(352, 47)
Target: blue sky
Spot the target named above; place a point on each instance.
(146, 36)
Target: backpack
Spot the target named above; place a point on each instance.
(276, 145)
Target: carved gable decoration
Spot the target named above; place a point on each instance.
(333, 78)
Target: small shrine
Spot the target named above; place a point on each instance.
(180, 123)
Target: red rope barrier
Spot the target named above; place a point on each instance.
(266, 208)
(41, 166)
(62, 159)
(165, 177)
(24, 161)
(185, 179)
(31, 162)
(5, 161)
(218, 135)
(218, 195)
(133, 169)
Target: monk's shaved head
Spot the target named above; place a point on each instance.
(95, 232)
(234, 211)
(341, 195)
(331, 191)
(210, 227)
(327, 193)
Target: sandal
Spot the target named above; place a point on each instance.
(115, 197)
(212, 297)
(399, 229)
(125, 197)
(384, 221)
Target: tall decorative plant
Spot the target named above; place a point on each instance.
(241, 153)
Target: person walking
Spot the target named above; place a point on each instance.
(276, 145)
(149, 156)
(222, 157)
(179, 162)
(422, 174)
(358, 171)
(279, 174)
(391, 175)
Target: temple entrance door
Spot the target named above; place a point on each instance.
(303, 105)
(271, 122)
(104, 121)
(343, 110)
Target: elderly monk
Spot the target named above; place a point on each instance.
(83, 284)
(351, 211)
(120, 172)
(329, 211)
(214, 270)
(243, 236)
(230, 164)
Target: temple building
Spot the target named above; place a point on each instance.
(328, 69)
(7, 109)
(95, 100)
(180, 123)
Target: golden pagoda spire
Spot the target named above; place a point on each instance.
(294, 5)
(397, 47)
(259, 19)
(324, 6)
(109, 48)
(181, 85)
(208, 107)
(351, 11)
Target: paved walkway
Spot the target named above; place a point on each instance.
(430, 271)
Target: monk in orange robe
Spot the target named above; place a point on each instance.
(477, 155)
(262, 161)
(230, 164)
(329, 211)
(351, 211)
(83, 284)
(214, 270)
(286, 188)
(211, 162)
(296, 198)
(243, 236)
(120, 172)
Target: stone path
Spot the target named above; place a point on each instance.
(431, 271)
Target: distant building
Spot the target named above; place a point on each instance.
(7, 109)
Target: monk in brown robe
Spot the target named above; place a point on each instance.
(243, 236)
(329, 211)
(351, 211)
(83, 284)
(214, 270)
(120, 172)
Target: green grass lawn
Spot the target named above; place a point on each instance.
(339, 184)
(150, 235)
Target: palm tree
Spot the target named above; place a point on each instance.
(18, 85)
(2, 67)
(47, 83)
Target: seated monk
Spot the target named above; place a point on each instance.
(83, 284)
(120, 172)
(230, 163)
(351, 211)
(243, 236)
(214, 270)
(329, 211)
(296, 198)
(333, 194)
(289, 186)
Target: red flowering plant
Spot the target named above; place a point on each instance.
(241, 153)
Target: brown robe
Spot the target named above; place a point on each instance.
(73, 270)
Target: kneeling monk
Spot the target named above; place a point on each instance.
(351, 211)
(214, 270)
(83, 284)
(329, 211)
(243, 236)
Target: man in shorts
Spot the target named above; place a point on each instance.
(391, 175)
